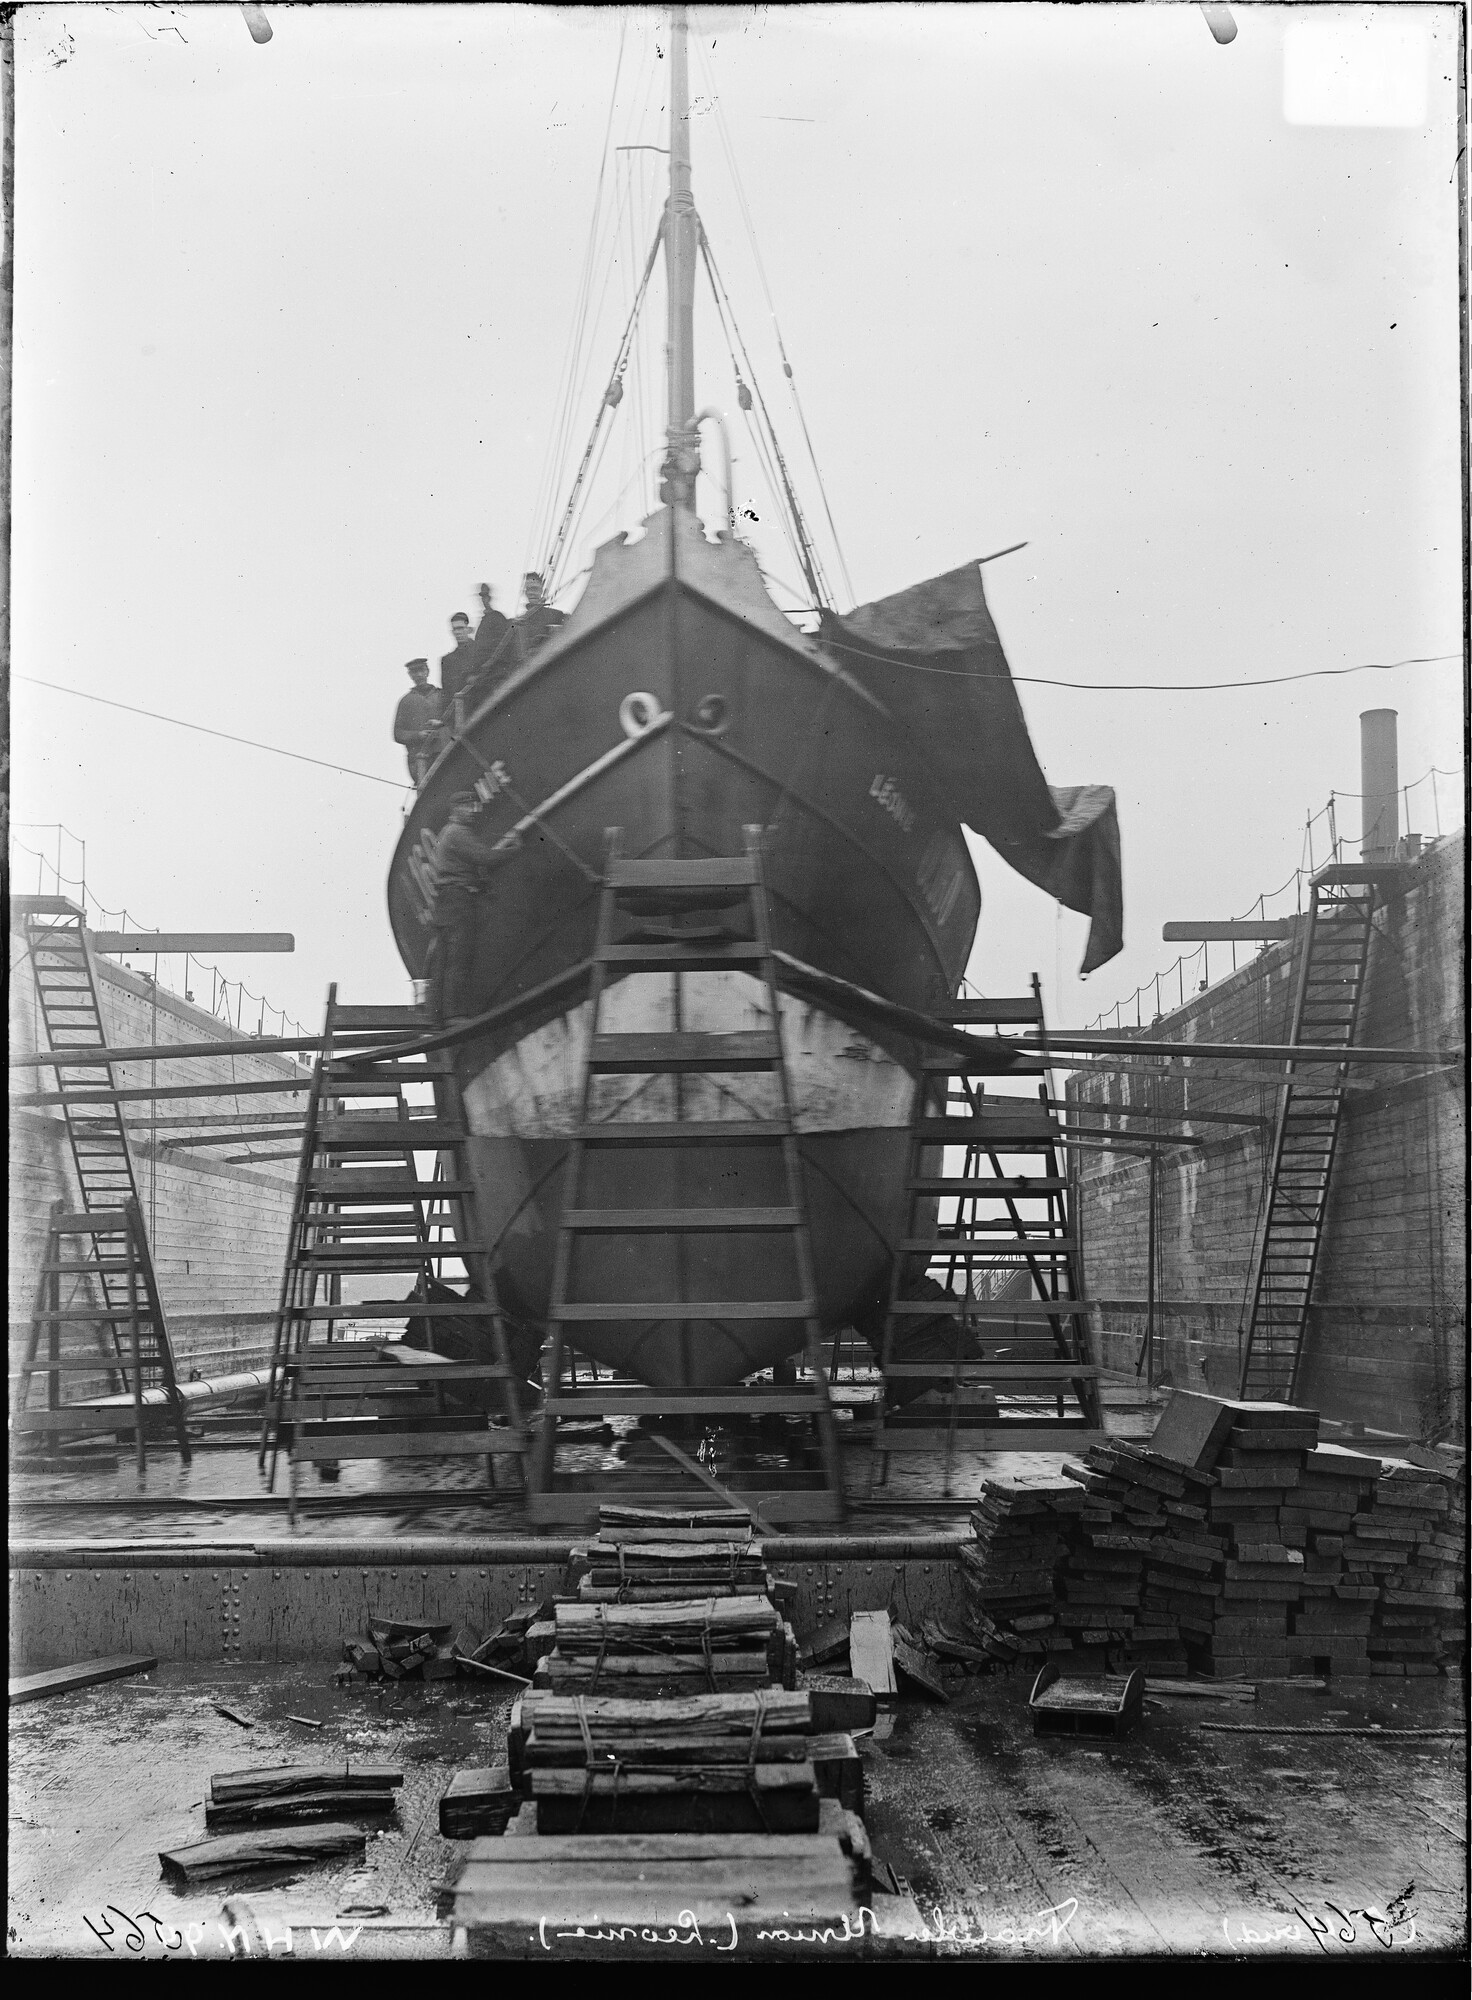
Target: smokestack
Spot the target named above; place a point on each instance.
(1379, 786)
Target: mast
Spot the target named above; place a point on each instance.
(681, 229)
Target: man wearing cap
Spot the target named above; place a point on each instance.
(465, 858)
(493, 655)
(539, 621)
(417, 721)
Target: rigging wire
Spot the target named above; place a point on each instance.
(557, 445)
(724, 133)
(1157, 687)
(807, 555)
(250, 743)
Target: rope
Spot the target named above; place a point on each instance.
(753, 1792)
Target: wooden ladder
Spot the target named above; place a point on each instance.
(1333, 956)
(672, 892)
(114, 1260)
(121, 1279)
(366, 1207)
(1001, 1271)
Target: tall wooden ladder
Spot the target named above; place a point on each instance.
(114, 1261)
(669, 904)
(1333, 956)
(997, 1277)
(367, 1205)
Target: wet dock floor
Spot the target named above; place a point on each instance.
(1179, 1841)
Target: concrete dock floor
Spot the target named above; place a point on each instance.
(1180, 1841)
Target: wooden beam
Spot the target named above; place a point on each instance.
(146, 1093)
(84, 1674)
(153, 944)
(1243, 931)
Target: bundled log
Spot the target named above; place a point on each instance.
(649, 1572)
(300, 1809)
(595, 1628)
(724, 1798)
(286, 1781)
(670, 1524)
(236, 1853)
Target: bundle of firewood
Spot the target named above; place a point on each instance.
(683, 1645)
(700, 1764)
(622, 1570)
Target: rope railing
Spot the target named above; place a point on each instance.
(229, 998)
(1311, 860)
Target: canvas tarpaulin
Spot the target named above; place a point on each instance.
(931, 654)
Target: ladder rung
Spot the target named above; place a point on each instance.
(372, 1135)
(376, 1017)
(95, 1222)
(696, 956)
(1054, 1249)
(84, 1364)
(683, 1309)
(662, 1221)
(995, 1134)
(997, 1309)
(984, 1065)
(972, 1373)
(719, 1132)
(606, 1400)
(723, 872)
(679, 1054)
(95, 1264)
(341, 1183)
(1027, 1186)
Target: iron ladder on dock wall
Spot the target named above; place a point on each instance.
(1333, 957)
(670, 892)
(1010, 1232)
(102, 1245)
(364, 1208)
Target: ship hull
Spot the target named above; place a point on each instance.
(677, 706)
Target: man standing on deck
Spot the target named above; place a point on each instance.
(417, 721)
(455, 667)
(464, 860)
(539, 621)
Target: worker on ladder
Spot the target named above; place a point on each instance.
(464, 860)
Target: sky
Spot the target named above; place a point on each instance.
(293, 322)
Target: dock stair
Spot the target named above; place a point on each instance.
(655, 917)
(383, 1191)
(98, 1312)
(1333, 958)
(983, 1344)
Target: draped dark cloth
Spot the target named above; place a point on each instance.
(931, 654)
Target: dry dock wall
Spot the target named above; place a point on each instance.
(218, 1230)
(1387, 1332)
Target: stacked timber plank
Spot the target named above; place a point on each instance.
(1009, 1571)
(739, 1763)
(1234, 1542)
(286, 1817)
(669, 1767)
(1417, 1620)
(1330, 1626)
(679, 1645)
(1258, 1470)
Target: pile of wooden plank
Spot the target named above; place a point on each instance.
(1329, 1628)
(398, 1649)
(624, 1571)
(1009, 1570)
(1235, 1543)
(1418, 1623)
(286, 1817)
(740, 1763)
(1145, 1561)
(672, 1646)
